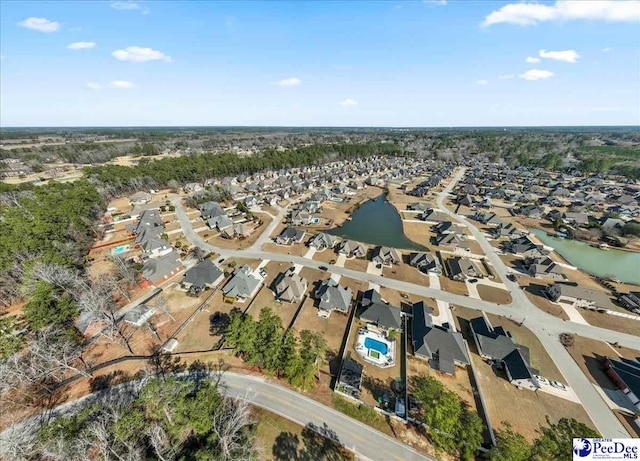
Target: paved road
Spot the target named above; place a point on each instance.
(355, 435)
(364, 440)
(545, 326)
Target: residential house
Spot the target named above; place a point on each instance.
(544, 268)
(202, 275)
(332, 297)
(351, 248)
(447, 227)
(440, 345)
(162, 268)
(630, 301)
(425, 262)
(238, 230)
(242, 284)
(452, 241)
(357, 185)
(289, 236)
(576, 296)
(386, 256)
(525, 247)
(211, 209)
(488, 218)
(461, 268)
(376, 312)
(419, 206)
(625, 373)
(300, 218)
(506, 230)
(322, 241)
(531, 211)
(155, 247)
(497, 345)
(251, 201)
(579, 219)
(219, 222)
(140, 198)
(139, 315)
(290, 287)
(193, 187)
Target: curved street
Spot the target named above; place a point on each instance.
(545, 326)
(362, 439)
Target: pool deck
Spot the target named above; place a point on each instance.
(387, 360)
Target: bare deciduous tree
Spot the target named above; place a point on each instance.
(230, 425)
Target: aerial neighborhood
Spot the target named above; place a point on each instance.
(379, 279)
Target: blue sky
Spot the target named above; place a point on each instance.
(418, 63)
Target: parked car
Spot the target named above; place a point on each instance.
(323, 268)
(541, 379)
(473, 280)
(512, 277)
(221, 260)
(558, 385)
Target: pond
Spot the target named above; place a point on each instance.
(376, 222)
(615, 264)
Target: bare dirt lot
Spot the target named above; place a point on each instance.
(297, 249)
(494, 295)
(332, 330)
(453, 286)
(406, 273)
(356, 264)
(611, 322)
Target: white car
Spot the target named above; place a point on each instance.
(542, 379)
(558, 385)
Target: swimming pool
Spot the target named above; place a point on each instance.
(120, 249)
(315, 220)
(375, 345)
(336, 199)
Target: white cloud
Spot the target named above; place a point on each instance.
(139, 54)
(93, 85)
(530, 14)
(506, 76)
(291, 81)
(349, 102)
(129, 5)
(121, 84)
(606, 49)
(536, 74)
(482, 82)
(40, 24)
(435, 2)
(81, 45)
(532, 60)
(565, 56)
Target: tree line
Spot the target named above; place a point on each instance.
(265, 344)
(169, 419)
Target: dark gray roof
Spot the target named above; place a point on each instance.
(495, 343)
(429, 339)
(377, 312)
(332, 296)
(204, 273)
